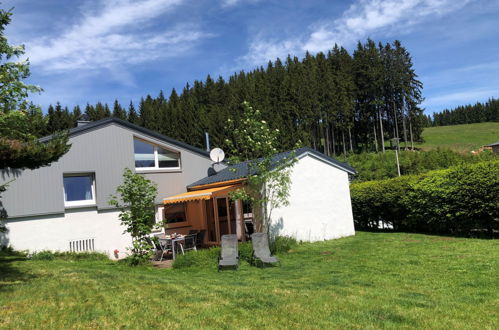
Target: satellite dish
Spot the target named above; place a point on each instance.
(217, 155)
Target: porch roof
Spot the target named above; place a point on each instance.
(203, 194)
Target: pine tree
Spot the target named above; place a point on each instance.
(132, 114)
(118, 111)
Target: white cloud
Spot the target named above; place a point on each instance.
(114, 34)
(231, 3)
(439, 102)
(361, 19)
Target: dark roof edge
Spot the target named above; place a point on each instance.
(113, 120)
(336, 163)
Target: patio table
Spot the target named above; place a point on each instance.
(174, 242)
(177, 240)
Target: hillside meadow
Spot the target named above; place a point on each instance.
(463, 138)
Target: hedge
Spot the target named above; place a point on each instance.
(460, 200)
(380, 166)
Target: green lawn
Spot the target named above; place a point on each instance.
(460, 137)
(372, 280)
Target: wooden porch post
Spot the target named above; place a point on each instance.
(217, 223)
(241, 214)
(228, 214)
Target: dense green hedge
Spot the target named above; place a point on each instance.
(379, 166)
(460, 200)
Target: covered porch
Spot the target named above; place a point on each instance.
(208, 209)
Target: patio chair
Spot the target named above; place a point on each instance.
(229, 254)
(189, 243)
(261, 251)
(155, 248)
(165, 245)
(200, 238)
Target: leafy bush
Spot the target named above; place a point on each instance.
(463, 199)
(282, 244)
(9, 251)
(459, 200)
(245, 251)
(376, 201)
(206, 258)
(379, 166)
(69, 256)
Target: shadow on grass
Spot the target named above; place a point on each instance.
(10, 275)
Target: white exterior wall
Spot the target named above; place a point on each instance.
(319, 203)
(53, 232)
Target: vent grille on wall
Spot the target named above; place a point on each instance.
(82, 245)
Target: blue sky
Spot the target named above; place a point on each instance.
(87, 51)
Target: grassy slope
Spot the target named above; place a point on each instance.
(460, 137)
(372, 280)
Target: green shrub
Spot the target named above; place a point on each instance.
(376, 201)
(379, 166)
(459, 200)
(205, 258)
(245, 251)
(282, 244)
(9, 251)
(69, 256)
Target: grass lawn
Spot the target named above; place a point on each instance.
(460, 137)
(372, 280)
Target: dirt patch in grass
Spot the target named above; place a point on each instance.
(162, 264)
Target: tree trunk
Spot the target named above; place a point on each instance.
(396, 126)
(344, 146)
(350, 138)
(410, 132)
(381, 131)
(405, 131)
(334, 142)
(327, 147)
(375, 137)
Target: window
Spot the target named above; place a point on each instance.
(79, 189)
(175, 213)
(149, 156)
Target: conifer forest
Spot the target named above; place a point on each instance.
(336, 103)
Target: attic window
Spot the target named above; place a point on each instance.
(150, 156)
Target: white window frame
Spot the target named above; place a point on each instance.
(156, 158)
(84, 202)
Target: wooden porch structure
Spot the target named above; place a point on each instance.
(207, 208)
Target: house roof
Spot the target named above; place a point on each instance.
(240, 170)
(493, 144)
(112, 120)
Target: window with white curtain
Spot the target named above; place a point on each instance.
(150, 156)
(79, 189)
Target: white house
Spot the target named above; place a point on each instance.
(65, 206)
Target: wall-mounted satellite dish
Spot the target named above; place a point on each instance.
(217, 155)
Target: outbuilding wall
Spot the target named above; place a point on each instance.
(319, 203)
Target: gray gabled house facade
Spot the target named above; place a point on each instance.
(65, 205)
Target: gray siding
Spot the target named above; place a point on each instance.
(105, 151)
